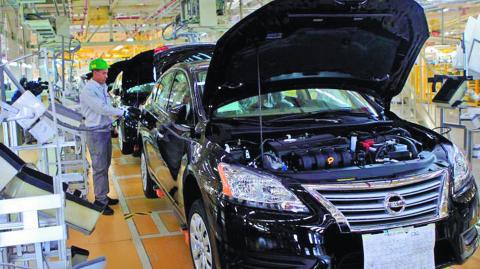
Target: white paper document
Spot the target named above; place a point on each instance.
(403, 248)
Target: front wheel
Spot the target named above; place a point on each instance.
(147, 181)
(200, 237)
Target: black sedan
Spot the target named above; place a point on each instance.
(282, 151)
(136, 78)
(127, 126)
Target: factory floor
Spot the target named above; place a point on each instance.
(143, 233)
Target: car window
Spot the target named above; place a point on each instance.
(180, 91)
(144, 88)
(163, 90)
(296, 102)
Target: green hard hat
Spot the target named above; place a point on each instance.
(98, 64)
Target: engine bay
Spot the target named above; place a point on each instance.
(310, 152)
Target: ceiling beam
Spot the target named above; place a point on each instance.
(94, 32)
(116, 43)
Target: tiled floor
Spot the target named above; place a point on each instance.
(145, 231)
(140, 228)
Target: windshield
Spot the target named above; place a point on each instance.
(297, 102)
(145, 88)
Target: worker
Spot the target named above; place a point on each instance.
(98, 112)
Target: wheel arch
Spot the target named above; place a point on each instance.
(191, 192)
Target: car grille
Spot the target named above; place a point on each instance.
(384, 204)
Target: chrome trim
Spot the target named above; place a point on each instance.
(425, 197)
(468, 250)
(336, 214)
(443, 210)
(390, 205)
(368, 185)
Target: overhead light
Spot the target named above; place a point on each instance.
(129, 39)
(118, 47)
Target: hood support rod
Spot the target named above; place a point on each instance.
(260, 102)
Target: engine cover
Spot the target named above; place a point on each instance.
(315, 152)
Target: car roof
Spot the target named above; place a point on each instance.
(193, 66)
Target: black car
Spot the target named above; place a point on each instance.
(282, 151)
(166, 56)
(134, 82)
(127, 126)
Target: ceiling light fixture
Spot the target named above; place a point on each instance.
(118, 47)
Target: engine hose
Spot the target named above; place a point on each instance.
(377, 153)
(411, 146)
(398, 130)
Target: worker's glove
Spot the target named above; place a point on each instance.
(132, 113)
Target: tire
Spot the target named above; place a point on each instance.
(137, 151)
(125, 148)
(147, 181)
(200, 239)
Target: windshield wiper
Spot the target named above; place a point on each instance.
(308, 115)
(238, 119)
(301, 120)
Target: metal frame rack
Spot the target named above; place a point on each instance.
(468, 135)
(24, 237)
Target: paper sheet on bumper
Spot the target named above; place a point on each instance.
(400, 249)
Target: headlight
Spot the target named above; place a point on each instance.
(461, 170)
(258, 189)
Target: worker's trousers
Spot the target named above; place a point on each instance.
(100, 147)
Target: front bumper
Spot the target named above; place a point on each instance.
(253, 238)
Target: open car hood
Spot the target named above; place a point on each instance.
(168, 56)
(362, 45)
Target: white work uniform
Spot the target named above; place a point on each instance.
(98, 111)
(96, 105)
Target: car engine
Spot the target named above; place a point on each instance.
(309, 152)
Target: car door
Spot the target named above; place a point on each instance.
(156, 116)
(173, 144)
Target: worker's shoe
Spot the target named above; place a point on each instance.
(112, 201)
(108, 211)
